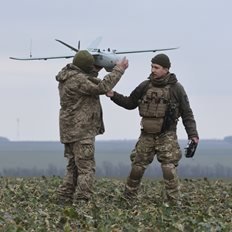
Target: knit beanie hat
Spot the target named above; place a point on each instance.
(84, 60)
(161, 59)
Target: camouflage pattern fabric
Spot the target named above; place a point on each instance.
(165, 146)
(79, 178)
(168, 153)
(80, 121)
(81, 112)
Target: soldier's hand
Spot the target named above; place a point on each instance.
(123, 63)
(195, 139)
(110, 93)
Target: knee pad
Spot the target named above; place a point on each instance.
(169, 171)
(136, 172)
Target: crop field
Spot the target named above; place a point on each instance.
(30, 204)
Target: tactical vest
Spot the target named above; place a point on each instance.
(152, 108)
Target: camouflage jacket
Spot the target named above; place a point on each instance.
(178, 97)
(81, 113)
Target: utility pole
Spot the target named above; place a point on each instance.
(18, 128)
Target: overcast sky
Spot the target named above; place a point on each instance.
(28, 92)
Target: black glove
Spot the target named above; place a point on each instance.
(190, 149)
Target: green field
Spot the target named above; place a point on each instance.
(30, 204)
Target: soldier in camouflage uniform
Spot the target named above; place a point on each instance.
(161, 101)
(81, 120)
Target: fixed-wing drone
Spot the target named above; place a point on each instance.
(104, 58)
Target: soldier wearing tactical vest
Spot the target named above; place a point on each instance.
(161, 100)
(81, 120)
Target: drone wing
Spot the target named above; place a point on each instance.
(53, 57)
(142, 51)
(42, 58)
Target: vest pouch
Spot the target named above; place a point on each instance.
(154, 103)
(161, 110)
(152, 125)
(144, 109)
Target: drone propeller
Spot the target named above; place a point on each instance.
(69, 46)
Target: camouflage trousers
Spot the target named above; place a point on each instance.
(80, 170)
(168, 153)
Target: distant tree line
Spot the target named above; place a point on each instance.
(228, 139)
(4, 140)
(52, 170)
(107, 169)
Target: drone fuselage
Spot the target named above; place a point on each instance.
(106, 59)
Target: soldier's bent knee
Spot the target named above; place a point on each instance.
(136, 172)
(169, 171)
